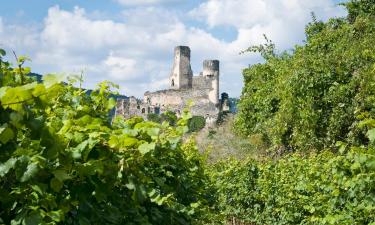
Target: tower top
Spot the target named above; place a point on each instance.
(212, 65)
(183, 50)
(181, 76)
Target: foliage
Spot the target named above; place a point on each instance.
(169, 117)
(315, 95)
(222, 142)
(360, 7)
(317, 189)
(317, 98)
(196, 123)
(154, 117)
(62, 161)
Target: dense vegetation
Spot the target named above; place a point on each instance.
(317, 101)
(316, 95)
(320, 188)
(63, 160)
(196, 123)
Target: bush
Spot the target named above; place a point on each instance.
(64, 162)
(312, 97)
(169, 117)
(154, 117)
(317, 189)
(196, 123)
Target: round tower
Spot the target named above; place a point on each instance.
(211, 70)
(181, 75)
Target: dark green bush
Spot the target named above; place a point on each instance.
(317, 189)
(169, 117)
(196, 123)
(154, 117)
(313, 96)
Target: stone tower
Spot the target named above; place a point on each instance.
(181, 76)
(211, 72)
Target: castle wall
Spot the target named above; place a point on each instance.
(211, 72)
(181, 75)
(202, 91)
(201, 82)
(177, 100)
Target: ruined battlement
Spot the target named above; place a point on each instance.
(202, 90)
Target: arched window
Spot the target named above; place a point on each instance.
(143, 110)
(172, 82)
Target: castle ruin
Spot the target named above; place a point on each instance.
(202, 91)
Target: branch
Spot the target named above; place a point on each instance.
(23, 101)
(19, 67)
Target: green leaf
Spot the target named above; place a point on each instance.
(39, 90)
(153, 132)
(34, 219)
(111, 103)
(129, 142)
(31, 170)
(56, 184)
(61, 175)
(130, 185)
(6, 134)
(3, 90)
(5, 167)
(51, 79)
(371, 135)
(113, 141)
(22, 59)
(146, 147)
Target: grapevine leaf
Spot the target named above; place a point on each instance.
(153, 132)
(31, 170)
(61, 175)
(3, 91)
(5, 167)
(129, 142)
(6, 134)
(371, 135)
(56, 184)
(111, 103)
(33, 219)
(130, 185)
(146, 147)
(51, 79)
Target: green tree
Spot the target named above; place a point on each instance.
(314, 96)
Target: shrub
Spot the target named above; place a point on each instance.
(316, 189)
(313, 96)
(154, 117)
(64, 162)
(169, 117)
(196, 123)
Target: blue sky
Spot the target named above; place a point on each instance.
(130, 42)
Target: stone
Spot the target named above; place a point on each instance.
(202, 91)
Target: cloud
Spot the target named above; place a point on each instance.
(282, 20)
(136, 51)
(143, 2)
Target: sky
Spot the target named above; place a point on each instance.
(131, 42)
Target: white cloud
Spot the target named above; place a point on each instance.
(137, 51)
(143, 2)
(121, 68)
(281, 20)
